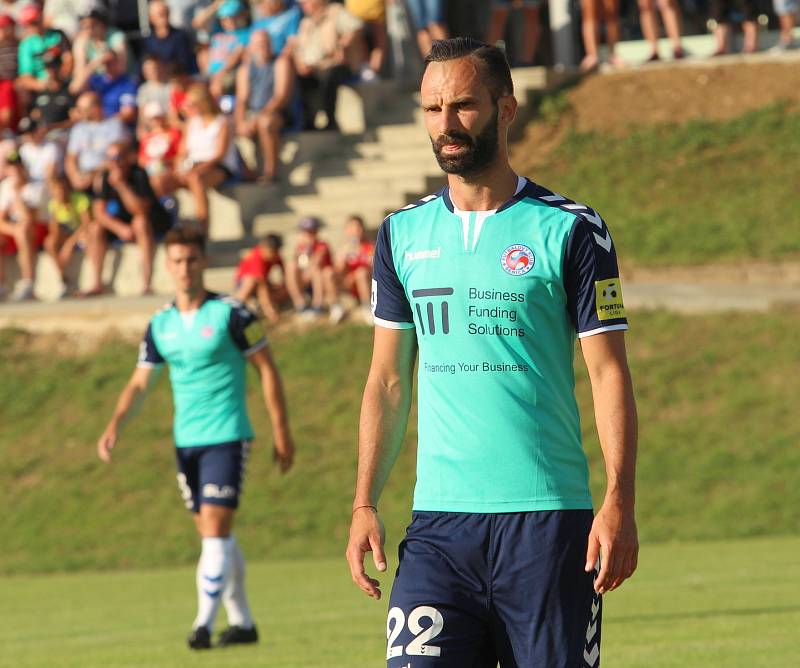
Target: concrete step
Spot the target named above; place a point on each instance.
(357, 187)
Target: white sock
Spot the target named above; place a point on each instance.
(213, 574)
(235, 597)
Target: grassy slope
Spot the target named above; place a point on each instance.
(699, 192)
(732, 604)
(719, 435)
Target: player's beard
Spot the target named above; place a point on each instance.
(482, 150)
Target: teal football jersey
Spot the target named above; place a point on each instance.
(206, 353)
(497, 299)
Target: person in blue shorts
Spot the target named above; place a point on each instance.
(207, 339)
(428, 19)
(486, 286)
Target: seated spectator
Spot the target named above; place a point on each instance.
(125, 208)
(354, 265)
(179, 83)
(263, 96)
(253, 276)
(41, 157)
(155, 87)
(158, 148)
(280, 19)
(8, 72)
(373, 14)
(95, 39)
(327, 53)
(428, 19)
(20, 229)
(311, 271)
(785, 10)
(671, 16)
(182, 12)
(165, 42)
(208, 155)
(117, 91)
(65, 15)
(226, 48)
(37, 40)
(54, 103)
(68, 227)
(593, 11)
(532, 26)
(89, 139)
(722, 12)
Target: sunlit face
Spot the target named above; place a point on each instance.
(354, 230)
(185, 263)
(259, 45)
(460, 116)
(89, 108)
(159, 14)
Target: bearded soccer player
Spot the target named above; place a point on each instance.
(206, 339)
(489, 282)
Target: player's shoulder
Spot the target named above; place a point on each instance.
(411, 211)
(162, 312)
(574, 213)
(229, 305)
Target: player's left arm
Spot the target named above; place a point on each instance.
(275, 402)
(614, 529)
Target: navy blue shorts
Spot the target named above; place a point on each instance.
(212, 474)
(473, 590)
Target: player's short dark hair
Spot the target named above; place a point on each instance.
(272, 241)
(186, 234)
(495, 69)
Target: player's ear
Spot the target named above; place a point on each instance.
(507, 109)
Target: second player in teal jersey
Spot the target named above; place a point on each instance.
(489, 283)
(206, 340)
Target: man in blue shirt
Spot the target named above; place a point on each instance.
(105, 75)
(167, 43)
(206, 340)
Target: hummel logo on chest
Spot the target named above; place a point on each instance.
(431, 254)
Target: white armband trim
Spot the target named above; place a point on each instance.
(389, 324)
(600, 330)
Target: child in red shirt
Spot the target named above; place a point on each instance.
(253, 276)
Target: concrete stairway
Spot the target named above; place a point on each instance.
(381, 161)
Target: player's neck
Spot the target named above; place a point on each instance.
(190, 300)
(486, 191)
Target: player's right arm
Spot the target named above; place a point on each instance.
(384, 417)
(128, 404)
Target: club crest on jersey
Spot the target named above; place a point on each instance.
(517, 260)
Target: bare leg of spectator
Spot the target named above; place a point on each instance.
(96, 252)
(590, 10)
(671, 15)
(53, 243)
(317, 288)
(294, 283)
(424, 42)
(144, 239)
(362, 279)
(750, 29)
(26, 253)
(269, 128)
(532, 32)
(611, 13)
(309, 94)
(247, 288)
(722, 33)
(787, 28)
(649, 23)
(378, 53)
(265, 300)
(199, 183)
(497, 27)
(164, 184)
(438, 31)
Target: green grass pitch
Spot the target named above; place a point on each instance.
(704, 605)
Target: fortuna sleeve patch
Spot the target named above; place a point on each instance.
(608, 299)
(254, 332)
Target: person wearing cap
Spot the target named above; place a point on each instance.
(8, 72)
(327, 51)
(311, 271)
(281, 20)
(158, 148)
(20, 230)
(226, 48)
(95, 39)
(165, 42)
(264, 93)
(37, 40)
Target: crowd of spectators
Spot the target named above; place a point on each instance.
(101, 125)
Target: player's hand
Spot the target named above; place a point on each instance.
(366, 535)
(613, 538)
(106, 444)
(283, 454)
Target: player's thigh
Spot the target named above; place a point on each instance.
(188, 476)
(438, 606)
(546, 613)
(221, 473)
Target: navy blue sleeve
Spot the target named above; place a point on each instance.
(148, 353)
(389, 301)
(591, 278)
(246, 329)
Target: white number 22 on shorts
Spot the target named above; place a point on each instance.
(417, 647)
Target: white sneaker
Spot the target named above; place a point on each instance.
(63, 291)
(337, 314)
(23, 291)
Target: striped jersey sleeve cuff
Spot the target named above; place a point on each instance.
(148, 365)
(258, 345)
(389, 324)
(600, 330)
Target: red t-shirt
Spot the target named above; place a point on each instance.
(159, 146)
(308, 251)
(359, 256)
(256, 265)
